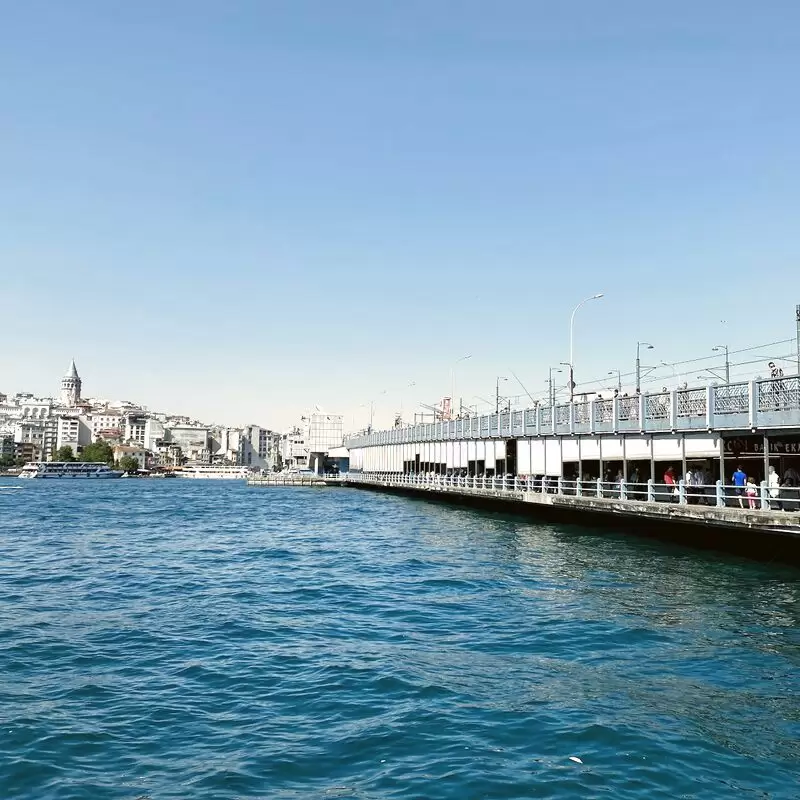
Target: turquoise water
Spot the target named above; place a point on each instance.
(205, 640)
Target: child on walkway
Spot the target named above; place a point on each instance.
(751, 490)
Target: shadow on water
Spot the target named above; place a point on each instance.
(771, 549)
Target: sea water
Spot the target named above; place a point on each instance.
(203, 639)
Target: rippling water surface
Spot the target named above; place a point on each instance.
(201, 639)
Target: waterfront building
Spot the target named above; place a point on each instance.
(225, 444)
(26, 432)
(106, 425)
(166, 454)
(294, 453)
(74, 432)
(135, 425)
(71, 387)
(323, 434)
(193, 441)
(36, 407)
(6, 446)
(135, 451)
(259, 448)
(323, 431)
(307, 445)
(27, 451)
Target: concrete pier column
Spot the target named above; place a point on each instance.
(752, 405)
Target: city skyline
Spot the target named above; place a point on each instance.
(40, 428)
(243, 212)
(743, 363)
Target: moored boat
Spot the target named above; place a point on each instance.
(213, 472)
(94, 470)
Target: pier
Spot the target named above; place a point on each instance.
(280, 479)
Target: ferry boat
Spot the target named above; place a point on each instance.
(93, 470)
(213, 472)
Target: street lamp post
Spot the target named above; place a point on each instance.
(619, 379)
(569, 368)
(551, 395)
(797, 315)
(497, 393)
(453, 382)
(571, 340)
(639, 365)
(372, 409)
(724, 347)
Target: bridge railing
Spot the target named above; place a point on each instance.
(751, 497)
(754, 405)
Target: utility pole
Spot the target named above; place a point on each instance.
(639, 365)
(453, 383)
(727, 361)
(497, 394)
(571, 382)
(551, 394)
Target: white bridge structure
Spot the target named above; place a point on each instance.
(754, 424)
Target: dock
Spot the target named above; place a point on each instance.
(279, 479)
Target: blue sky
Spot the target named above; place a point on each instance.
(240, 210)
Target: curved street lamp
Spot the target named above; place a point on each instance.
(571, 340)
(551, 395)
(717, 349)
(648, 346)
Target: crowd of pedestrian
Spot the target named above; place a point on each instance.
(743, 491)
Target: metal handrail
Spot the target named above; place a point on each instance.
(718, 494)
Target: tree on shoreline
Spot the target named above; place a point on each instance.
(64, 453)
(128, 464)
(98, 452)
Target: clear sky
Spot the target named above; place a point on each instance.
(239, 210)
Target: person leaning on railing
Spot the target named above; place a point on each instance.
(774, 483)
(671, 486)
(790, 491)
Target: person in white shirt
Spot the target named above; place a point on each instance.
(774, 484)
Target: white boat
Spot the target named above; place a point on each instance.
(93, 470)
(214, 472)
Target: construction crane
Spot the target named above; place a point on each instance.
(439, 412)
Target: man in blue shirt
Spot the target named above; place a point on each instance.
(739, 481)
